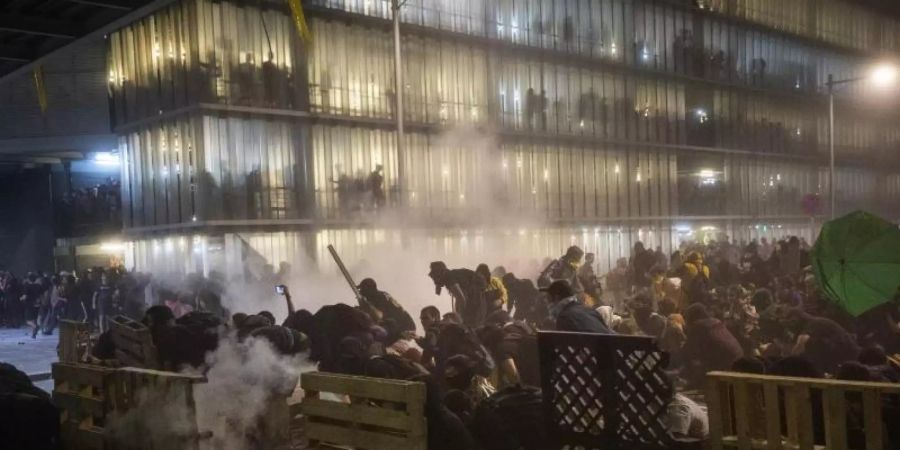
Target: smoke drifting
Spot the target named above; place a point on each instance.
(235, 405)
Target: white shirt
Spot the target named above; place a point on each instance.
(686, 419)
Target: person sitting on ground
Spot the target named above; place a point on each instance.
(685, 420)
(569, 313)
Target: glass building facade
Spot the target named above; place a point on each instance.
(532, 123)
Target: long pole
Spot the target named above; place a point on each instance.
(398, 95)
(831, 178)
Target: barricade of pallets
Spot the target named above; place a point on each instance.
(97, 398)
(750, 411)
(363, 412)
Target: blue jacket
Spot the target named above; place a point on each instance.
(576, 317)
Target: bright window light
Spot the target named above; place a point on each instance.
(106, 158)
(884, 75)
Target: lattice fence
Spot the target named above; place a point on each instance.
(603, 391)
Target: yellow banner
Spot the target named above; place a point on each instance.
(39, 88)
(300, 20)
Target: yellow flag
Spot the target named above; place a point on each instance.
(300, 20)
(39, 88)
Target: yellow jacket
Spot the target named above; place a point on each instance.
(497, 286)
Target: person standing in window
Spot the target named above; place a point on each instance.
(376, 185)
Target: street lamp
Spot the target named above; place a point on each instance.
(882, 76)
(398, 96)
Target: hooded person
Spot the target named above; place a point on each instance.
(466, 288)
(382, 306)
(524, 299)
(570, 314)
(495, 295)
(564, 268)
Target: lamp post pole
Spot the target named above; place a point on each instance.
(830, 84)
(398, 107)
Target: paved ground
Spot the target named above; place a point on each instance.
(32, 356)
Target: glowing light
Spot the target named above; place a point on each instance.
(778, 176)
(638, 177)
(519, 163)
(616, 169)
(884, 75)
(708, 228)
(106, 159)
(701, 114)
(645, 54)
(194, 218)
(505, 164)
(446, 171)
(706, 173)
(546, 174)
(112, 247)
(581, 124)
(613, 49)
(462, 196)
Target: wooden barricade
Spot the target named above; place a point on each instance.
(604, 391)
(74, 341)
(749, 411)
(153, 410)
(134, 344)
(105, 408)
(82, 393)
(382, 414)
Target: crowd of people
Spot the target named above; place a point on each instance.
(96, 207)
(721, 305)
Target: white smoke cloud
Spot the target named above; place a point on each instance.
(233, 408)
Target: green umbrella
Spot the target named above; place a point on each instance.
(856, 261)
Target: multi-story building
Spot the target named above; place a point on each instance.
(530, 125)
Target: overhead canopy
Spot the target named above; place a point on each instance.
(32, 29)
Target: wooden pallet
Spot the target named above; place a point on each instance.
(381, 415)
(144, 399)
(134, 344)
(99, 404)
(81, 392)
(74, 341)
(748, 411)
